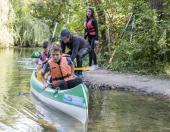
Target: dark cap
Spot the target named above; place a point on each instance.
(64, 33)
(45, 44)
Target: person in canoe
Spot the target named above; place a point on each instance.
(91, 33)
(43, 58)
(77, 45)
(61, 69)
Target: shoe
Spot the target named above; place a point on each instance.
(94, 67)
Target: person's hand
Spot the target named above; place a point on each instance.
(45, 84)
(66, 55)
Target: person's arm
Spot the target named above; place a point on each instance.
(41, 57)
(75, 49)
(63, 47)
(70, 63)
(85, 33)
(45, 69)
(85, 30)
(96, 28)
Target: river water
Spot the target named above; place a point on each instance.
(109, 111)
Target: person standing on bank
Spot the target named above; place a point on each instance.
(77, 45)
(91, 33)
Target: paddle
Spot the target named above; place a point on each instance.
(76, 68)
(55, 27)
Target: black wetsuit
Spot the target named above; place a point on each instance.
(79, 47)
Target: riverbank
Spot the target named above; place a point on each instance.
(107, 80)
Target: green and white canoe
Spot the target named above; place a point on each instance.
(73, 102)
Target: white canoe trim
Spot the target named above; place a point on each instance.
(52, 90)
(76, 112)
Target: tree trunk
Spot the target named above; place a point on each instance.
(158, 5)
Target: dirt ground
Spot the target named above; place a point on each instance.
(103, 79)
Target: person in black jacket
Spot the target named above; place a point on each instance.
(91, 33)
(77, 45)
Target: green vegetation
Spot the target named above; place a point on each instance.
(149, 46)
(142, 45)
(5, 28)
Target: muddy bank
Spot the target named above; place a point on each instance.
(107, 80)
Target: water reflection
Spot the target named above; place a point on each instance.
(57, 119)
(127, 112)
(109, 111)
(18, 110)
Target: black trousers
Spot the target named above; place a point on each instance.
(81, 54)
(92, 54)
(62, 84)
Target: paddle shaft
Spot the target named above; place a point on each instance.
(55, 27)
(76, 68)
(54, 30)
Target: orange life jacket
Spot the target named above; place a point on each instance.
(60, 72)
(89, 26)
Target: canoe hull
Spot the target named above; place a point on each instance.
(73, 102)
